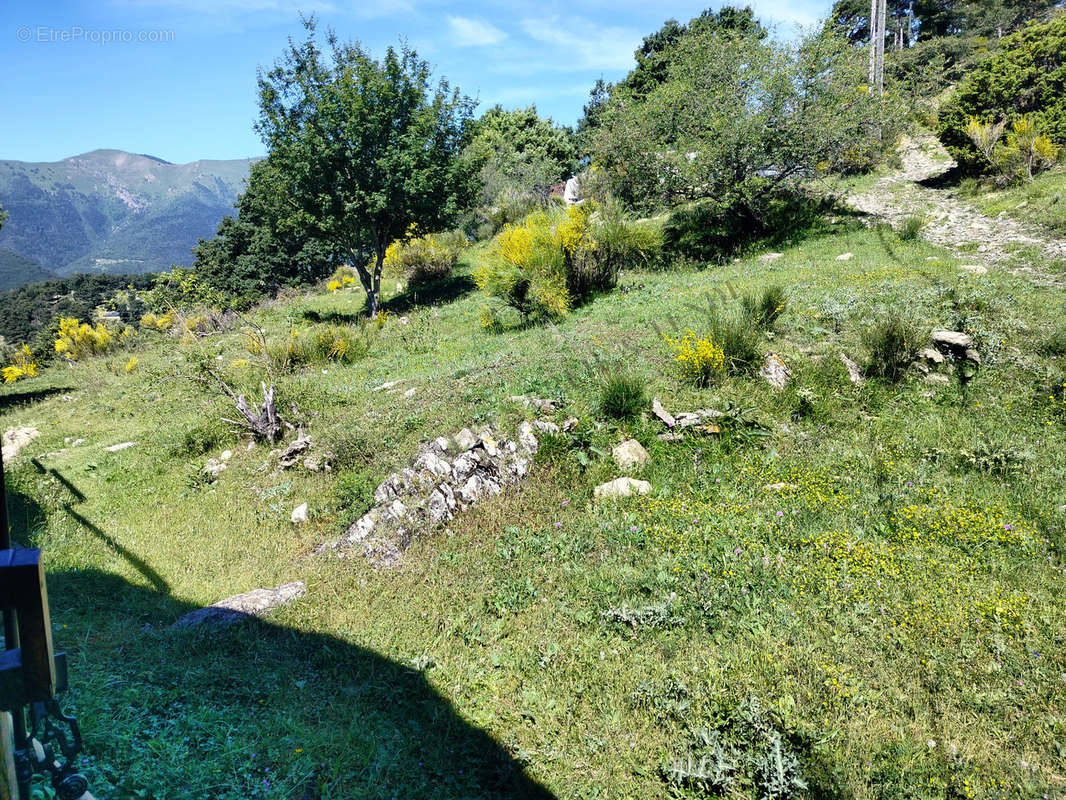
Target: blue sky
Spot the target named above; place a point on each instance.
(187, 92)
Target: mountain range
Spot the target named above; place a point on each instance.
(109, 211)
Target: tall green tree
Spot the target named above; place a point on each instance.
(737, 116)
(518, 152)
(252, 255)
(3, 216)
(362, 148)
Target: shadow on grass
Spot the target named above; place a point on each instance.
(12, 399)
(445, 290)
(267, 710)
(332, 317)
(254, 710)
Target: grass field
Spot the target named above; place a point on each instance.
(858, 588)
(1042, 201)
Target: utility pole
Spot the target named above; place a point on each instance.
(879, 78)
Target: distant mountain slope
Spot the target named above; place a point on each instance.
(16, 269)
(109, 211)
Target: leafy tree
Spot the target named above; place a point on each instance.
(655, 55)
(361, 149)
(250, 255)
(1026, 76)
(3, 216)
(517, 152)
(737, 116)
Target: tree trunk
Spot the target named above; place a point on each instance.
(375, 283)
(872, 78)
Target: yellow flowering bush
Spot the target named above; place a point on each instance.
(22, 366)
(76, 340)
(699, 359)
(554, 259)
(333, 285)
(160, 322)
(131, 364)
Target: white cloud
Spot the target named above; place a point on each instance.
(465, 32)
(582, 44)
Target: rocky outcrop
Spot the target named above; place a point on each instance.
(448, 475)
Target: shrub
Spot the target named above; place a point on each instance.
(738, 337)
(421, 259)
(1023, 77)
(712, 230)
(555, 259)
(1055, 344)
(353, 493)
(765, 309)
(162, 322)
(699, 359)
(22, 365)
(525, 268)
(892, 344)
(911, 227)
(1025, 152)
(622, 395)
(77, 340)
(319, 344)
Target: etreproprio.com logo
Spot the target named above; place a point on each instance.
(76, 33)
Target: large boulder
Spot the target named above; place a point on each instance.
(242, 607)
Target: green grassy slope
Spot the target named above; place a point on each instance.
(894, 604)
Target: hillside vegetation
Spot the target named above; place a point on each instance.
(877, 566)
(736, 521)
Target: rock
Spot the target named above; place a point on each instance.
(387, 385)
(854, 375)
(226, 455)
(952, 340)
(527, 438)
(845, 257)
(241, 607)
(629, 454)
(290, 456)
(17, 438)
(540, 404)
(775, 372)
(771, 256)
(780, 487)
(972, 355)
(931, 355)
(621, 487)
(299, 514)
(664, 415)
(489, 444)
(465, 439)
(409, 393)
(214, 467)
(545, 427)
(974, 269)
(936, 377)
(569, 424)
(120, 446)
(434, 463)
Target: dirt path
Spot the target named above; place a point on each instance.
(951, 222)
